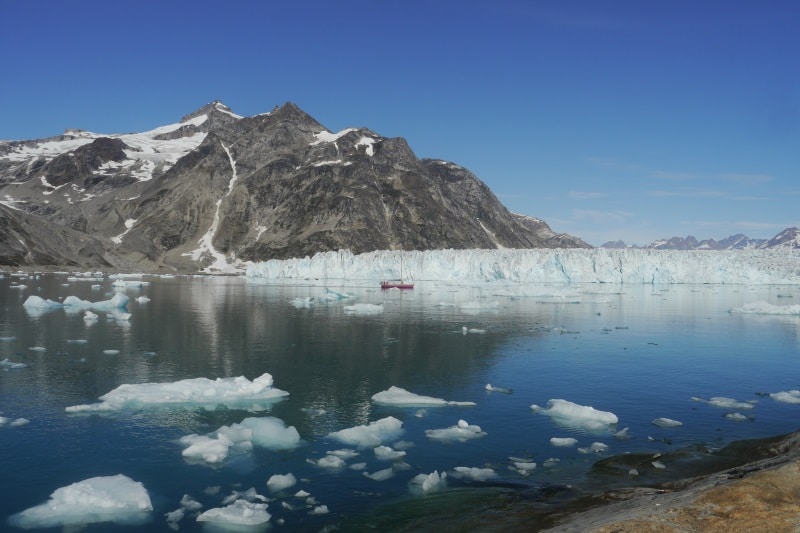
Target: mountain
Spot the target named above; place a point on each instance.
(217, 189)
(788, 238)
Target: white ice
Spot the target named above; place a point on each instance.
(725, 403)
(474, 474)
(370, 435)
(597, 265)
(666, 423)
(386, 453)
(117, 499)
(267, 432)
(364, 309)
(279, 482)
(563, 442)
(425, 483)
(197, 391)
(463, 431)
(380, 475)
(37, 303)
(6, 364)
(240, 512)
(401, 397)
(574, 415)
(790, 396)
(764, 308)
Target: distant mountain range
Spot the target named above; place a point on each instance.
(788, 238)
(216, 190)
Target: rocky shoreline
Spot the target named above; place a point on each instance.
(762, 495)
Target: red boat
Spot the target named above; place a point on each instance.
(396, 284)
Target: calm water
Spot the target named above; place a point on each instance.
(641, 352)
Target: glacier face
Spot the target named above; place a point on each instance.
(598, 265)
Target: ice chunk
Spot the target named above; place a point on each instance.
(725, 403)
(764, 308)
(329, 462)
(208, 449)
(279, 482)
(117, 499)
(398, 396)
(6, 364)
(364, 309)
(425, 483)
(489, 387)
(240, 512)
(111, 352)
(318, 510)
(344, 453)
(475, 474)
(575, 415)
(666, 423)
(266, 432)
(373, 434)
(200, 391)
(303, 303)
(461, 432)
(385, 453)
(563, 442)
(380, 475)
(272, 433)
(736, 417)
(791, 396)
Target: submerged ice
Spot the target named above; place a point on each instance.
(401, 397)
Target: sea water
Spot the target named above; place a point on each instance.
(641, 352)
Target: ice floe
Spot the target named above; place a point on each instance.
(790, 396)
(279, 482)
(563, 442)
(425, 483)
(663, 422)
(240, 512)
(474, 474)
(117, 499)
(267, 432)
(574, 415)
(401, 397)
(462, 431)
(764, 308)
(725, 403)
(370, 435)
(7, 364)
(196, 391)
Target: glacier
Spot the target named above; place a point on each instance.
(543, 265)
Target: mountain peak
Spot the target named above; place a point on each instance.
(210, 109)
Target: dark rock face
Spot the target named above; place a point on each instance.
(220, 189)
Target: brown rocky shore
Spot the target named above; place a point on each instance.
(762, 495)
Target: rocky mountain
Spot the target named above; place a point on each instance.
(216, 190)
(788, 238)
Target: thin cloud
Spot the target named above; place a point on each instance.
(586, 195)
(601, 217)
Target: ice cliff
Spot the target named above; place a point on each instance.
(628, 266)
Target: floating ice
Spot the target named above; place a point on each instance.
(364, 309)
(725, 403)
(563, 442)
(666, 423)
(489, 387)
(37, 305)
(371, 435)
(475, 474)
(344, 453)
(380, 475)
(596, 447)
(4, 421)
(279, 482)
(267, 432)
(319, 510)
(37, 349)
(117, 499)
(764, 308)
(385, 453)
(330, 462)
(240, 512)
(425, 483)
(575, 415)
(90, 318)
(6, 364)
(303, 303)
(462, 432)
(474, 308)
(398, 396)
(111, 352)
(737, 417)
(333, 295)
(200, 391)
(791, 396)
(142, 299)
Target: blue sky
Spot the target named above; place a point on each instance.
(610, 120)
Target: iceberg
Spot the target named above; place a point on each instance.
(575, 415)
(764, 308)
(462, 432)
(401, 397)
(279, 482)
(475, 474)
(117, 499)
(370, 435)
(199, 391)
(791, 396)
(240, 513)
(425, 483)
(540, 265)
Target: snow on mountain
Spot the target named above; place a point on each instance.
(628, 266)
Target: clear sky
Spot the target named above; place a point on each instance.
(632, 120)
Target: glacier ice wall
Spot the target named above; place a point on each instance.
(599, 265)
